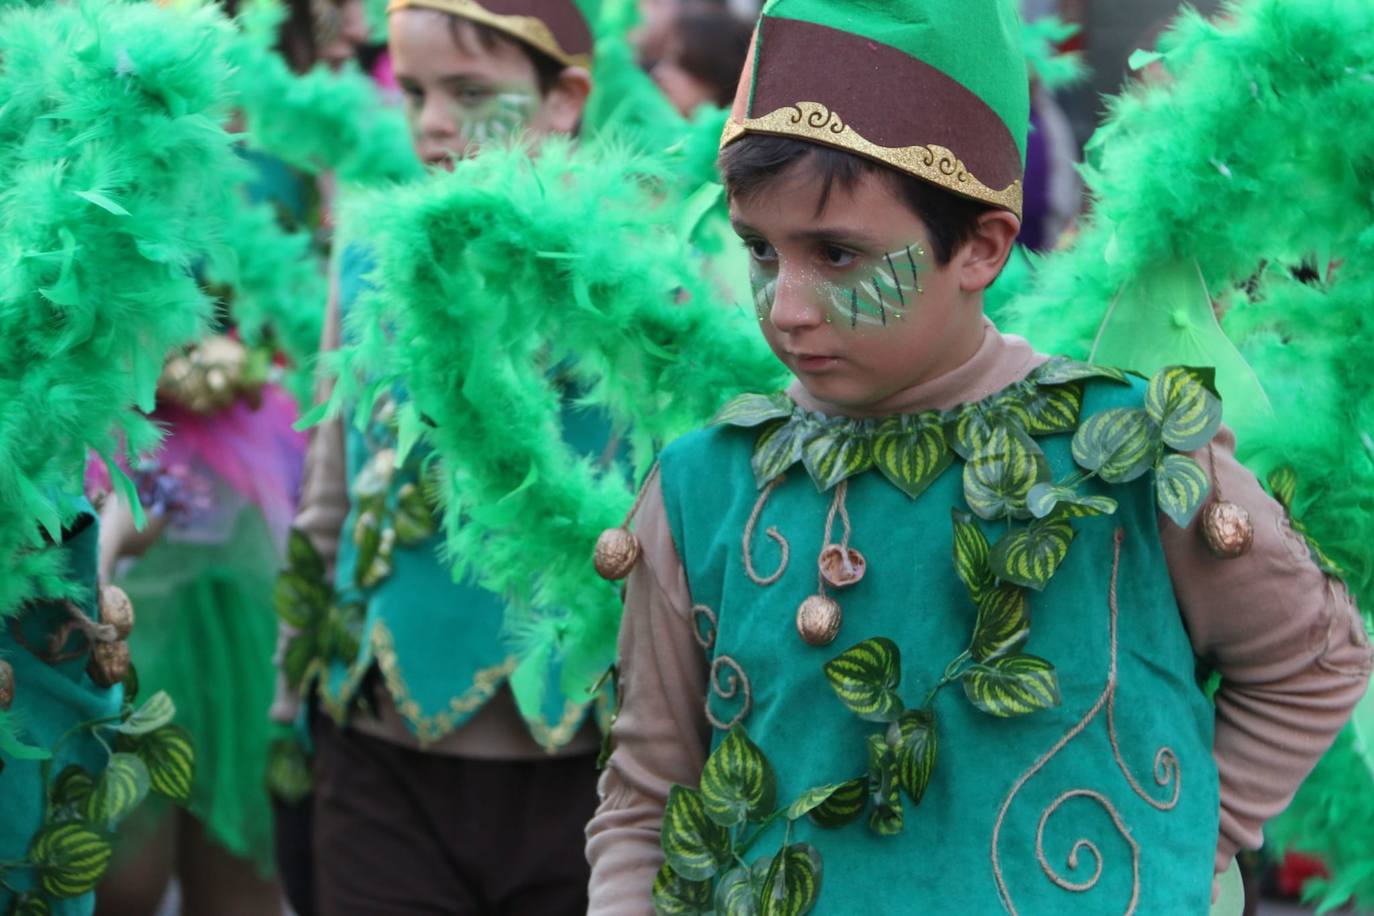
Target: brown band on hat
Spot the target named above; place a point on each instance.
(843, 90)
(555, 27)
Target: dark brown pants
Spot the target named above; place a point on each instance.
(400, 832)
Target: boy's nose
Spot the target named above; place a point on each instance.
(795, 306)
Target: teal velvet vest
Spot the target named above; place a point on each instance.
(49, 700)
(439, 643)
(1107, 803)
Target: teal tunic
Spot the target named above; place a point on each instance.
(1107, 803)
(50, 700)
(439, 644)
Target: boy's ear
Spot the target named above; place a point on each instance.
(563, 105)
(985, 254)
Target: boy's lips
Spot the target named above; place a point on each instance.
(814, 362)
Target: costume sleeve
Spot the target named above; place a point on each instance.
(660, 734)
(1287, 640)
(324, 498)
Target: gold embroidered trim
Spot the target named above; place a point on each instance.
(529, 29)
(1166, 770)
(552, 738)
(936, 164)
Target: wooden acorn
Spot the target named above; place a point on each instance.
(109, 663)
(842, 567)
(1228, 530)
(617, 552)
(117, 610)
(818, 620)
(6, 685)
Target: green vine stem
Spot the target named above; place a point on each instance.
(953, 672)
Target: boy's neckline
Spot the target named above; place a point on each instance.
(1000, 361)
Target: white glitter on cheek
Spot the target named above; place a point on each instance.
(876, 291)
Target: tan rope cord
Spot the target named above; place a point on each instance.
(639, 497)
(772, 532)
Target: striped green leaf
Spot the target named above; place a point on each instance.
(300, 652)
(1003, 623)
(999, 476)
(1012, 686)
(838, 453)
(1030, 556)
(917, 746)
(973, 427)
(29, 905)
(169, 757)
(694, 845)
(812, 799)
(971, 556)
(1043, 410)
(1181, 401)
(1119, 444)
(71, 792)
(1048, 498)
(70, 859)
(674, 895)
(751, 410)
(122, 787)
(887, 816)
(302, 558)
(1060, 370)
(738, 892)
(298, 600)
(865, 678)
(1181, 487)
(792, 883)
(414, 519)
(1283, 484)
(777, 449)
(843, 806)
(911, 452)
(738, 783)
(156, 712)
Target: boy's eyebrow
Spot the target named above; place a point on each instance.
(820, 234)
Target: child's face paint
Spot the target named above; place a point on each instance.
(850, 299)
(460, 94)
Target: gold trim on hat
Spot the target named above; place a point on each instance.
(933, 163)
(529, 29)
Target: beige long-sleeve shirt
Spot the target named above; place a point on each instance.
(1287, 640)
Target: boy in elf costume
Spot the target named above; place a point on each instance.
(930, 629)
(468, 803)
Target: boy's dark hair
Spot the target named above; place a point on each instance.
(465, 31)
(752, 163)
(714, 44)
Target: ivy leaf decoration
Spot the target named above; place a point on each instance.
(170, 758)
(827, 798)
(865, 678)
(1061, 370)
(738, 783)
(777, 449)
(71, 792)
(839, 452)
(301, 556)
(298, 600)
(973, 427)
(29, 905)
(1181, 400)
(676, 896)
(1283, 483)
(750, 410)
(156, 712)
(1012, 686)
(1030, 556)
(917, 746)
(70, 859)
(1003, 624)
(792, 883)
(122, 787)
(911, 452)
(1181, 487)
(739, 891)
(413, 519)
(300, 653)
(971, 556)
(844, 806)
(694, 845)
(1047, 498)
(1044, 410)
(1120, 444)
(999, 477)
(886, 818)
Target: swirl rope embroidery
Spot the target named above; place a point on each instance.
(1167, 770)
(772, 532)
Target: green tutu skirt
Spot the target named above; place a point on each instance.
(205, 632)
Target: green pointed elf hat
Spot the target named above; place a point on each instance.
(933, 88)
(561, 29)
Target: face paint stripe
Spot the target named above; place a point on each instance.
(882, 307)
(853, 307)
(915, 275)
(892, 267)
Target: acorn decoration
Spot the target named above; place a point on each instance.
(617, 552)
(842, 566)
(6, 685)
(818, 620)
(117, 610)
(109, 663)
(1228, 530)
